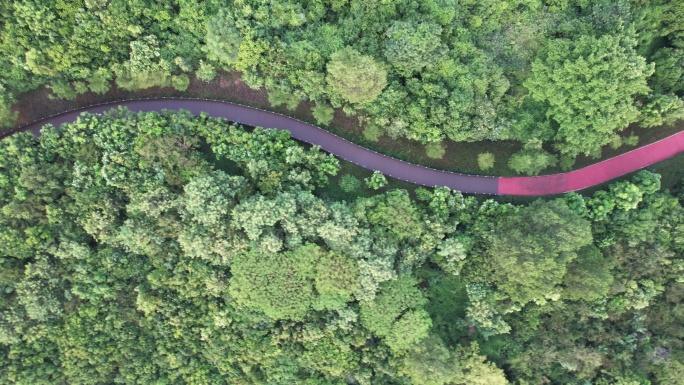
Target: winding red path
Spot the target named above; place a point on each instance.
(596, 173)
(476, 184)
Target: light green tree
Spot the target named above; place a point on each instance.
(222, 40)
(475, 369)
(337, 278)
(392, 213)
(180, 82)
(394, 299)
(99, 81)
(145, 67)
(354, 77)
(376, 181)
(279, 285)
(482, 311)
(323, 113)
(588, 86)
(205, 72)
(209, 199)
(410, 329)
(431, 363)
(626, 195)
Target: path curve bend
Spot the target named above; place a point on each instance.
(342, 148)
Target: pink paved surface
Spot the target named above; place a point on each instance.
(596, 173)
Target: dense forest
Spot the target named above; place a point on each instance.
(557, 75)
(168, 248)
(177, 249)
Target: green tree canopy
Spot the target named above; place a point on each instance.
(412, 45)
(531, 248)
(588, 86)
(588, 276)
(277, 285)
(354, 77)
(222, 41)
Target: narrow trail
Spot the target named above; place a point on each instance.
(344, 149)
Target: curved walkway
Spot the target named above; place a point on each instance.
(475, 184)
(596, 173)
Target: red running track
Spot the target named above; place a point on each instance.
(596, 173)
(475, 184)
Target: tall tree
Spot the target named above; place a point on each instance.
(412, 45)
(589, 86)
(354, 77)
(531, 248)
(222, 40)
(588, 276)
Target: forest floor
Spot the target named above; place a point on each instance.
(459, 157)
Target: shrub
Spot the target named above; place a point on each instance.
(323, 113)
(531, 162)
(349, 183)
(376, 181)
(372, 132)
(631, 140)
(180, 82)
(435, 150)
(615, 141)
(486, 160)
(206, 72)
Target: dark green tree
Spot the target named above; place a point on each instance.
(588, 276)
(412, 45)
